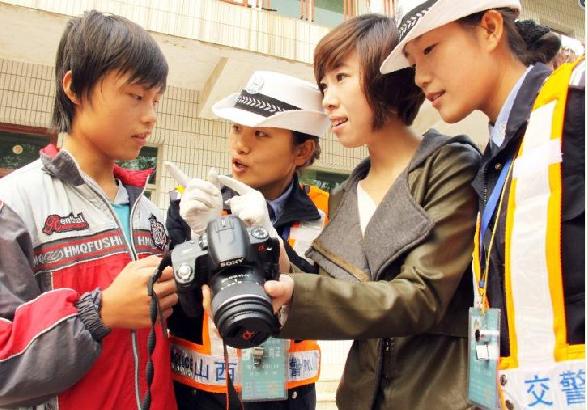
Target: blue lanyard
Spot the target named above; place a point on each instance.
(493, 202)
(286, 233)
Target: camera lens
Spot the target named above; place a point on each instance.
(242, 311)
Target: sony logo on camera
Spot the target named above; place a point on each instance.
(231, 262)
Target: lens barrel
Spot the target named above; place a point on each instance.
(242, 311)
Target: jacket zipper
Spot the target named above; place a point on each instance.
(387, 363)
(378, 373)
(485, 182)
(133, 252)
(133, 332)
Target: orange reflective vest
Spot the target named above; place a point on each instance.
(542, 367)
(203, 366)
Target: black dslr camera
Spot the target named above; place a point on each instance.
(235, 261)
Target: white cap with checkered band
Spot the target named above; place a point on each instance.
(278, 100)
(417, 17)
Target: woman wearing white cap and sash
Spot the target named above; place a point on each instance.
(528, 322)
(276, 124)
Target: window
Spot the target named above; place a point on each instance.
(381, 6)
(328, 12)
(147, 159)
(290, 8)
(324, 12)
(325, 180)
(20, 145)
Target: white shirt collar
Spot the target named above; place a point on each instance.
(498, 130)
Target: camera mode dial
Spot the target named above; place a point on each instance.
(184, 274)
(259, 233)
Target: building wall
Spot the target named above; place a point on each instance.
(565, 16)
(26, 93)
(210, 21)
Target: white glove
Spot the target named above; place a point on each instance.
(201, 200)
(250, 205)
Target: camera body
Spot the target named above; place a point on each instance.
(235, 261)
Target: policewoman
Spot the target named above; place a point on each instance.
(528, 322)
(276, 124)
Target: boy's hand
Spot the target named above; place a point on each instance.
(126, 304)
(201, 200)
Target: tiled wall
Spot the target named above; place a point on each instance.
(26, 93)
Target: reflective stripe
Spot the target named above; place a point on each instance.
(303, 366)
(527, 264)
(302, 234)
(192, 366)
(579, 76)
(476, 265)
(558, 384)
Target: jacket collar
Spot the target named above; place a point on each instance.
(523, 103)
(63, 165)
(517, 121)
(386, 237)
(298, 207)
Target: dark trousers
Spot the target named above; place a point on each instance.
(188, 398)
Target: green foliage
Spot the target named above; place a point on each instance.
(18, 150)
(147, 159)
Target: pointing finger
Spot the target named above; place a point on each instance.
(213, 177)
(237, 186)
(177, 173)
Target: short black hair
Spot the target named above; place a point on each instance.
(299, 138)
(93, 46)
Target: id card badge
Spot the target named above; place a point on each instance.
(484, 353)
(264, 371)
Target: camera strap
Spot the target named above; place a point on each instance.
(154, 311)
(232, 397)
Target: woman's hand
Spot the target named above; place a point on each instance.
(280, 291)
